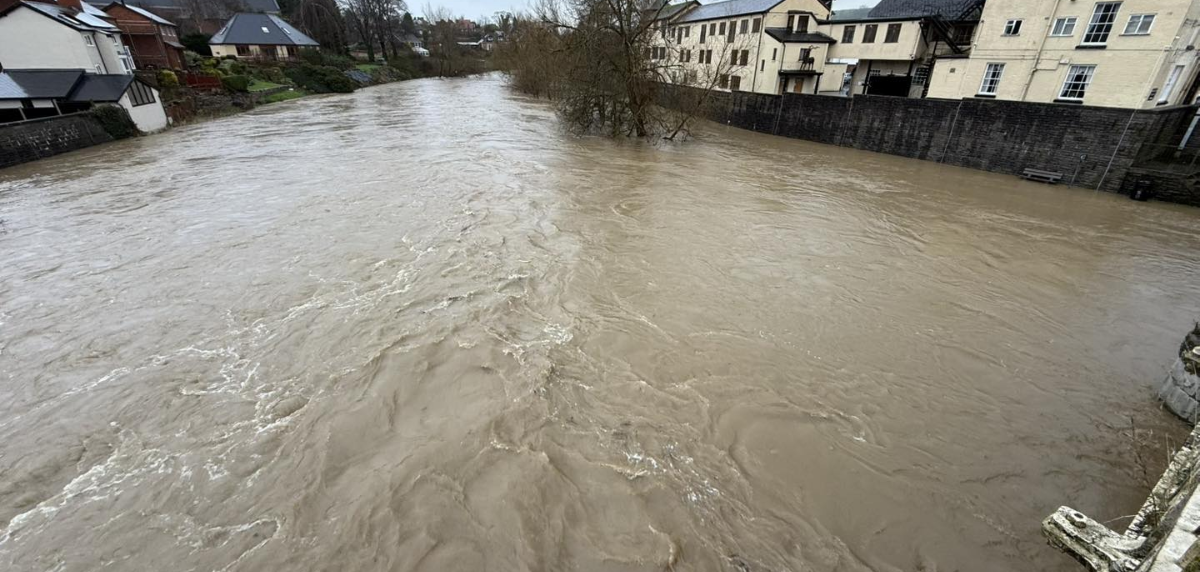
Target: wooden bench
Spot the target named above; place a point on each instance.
(1041, 176)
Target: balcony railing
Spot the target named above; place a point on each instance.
(800, 66)
(135, 28)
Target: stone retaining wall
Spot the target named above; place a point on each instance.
(39, 138)
(1092, 147)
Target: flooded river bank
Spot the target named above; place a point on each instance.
(418, 327)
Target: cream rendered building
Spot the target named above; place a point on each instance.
(1128, 53)
(765, 46)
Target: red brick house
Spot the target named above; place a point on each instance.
(153, 41)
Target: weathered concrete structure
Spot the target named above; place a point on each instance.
(1165, 534)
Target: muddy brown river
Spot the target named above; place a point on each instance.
(420, 328)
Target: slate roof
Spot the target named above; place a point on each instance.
(898, 9)
(144, 12)
(728, 9)
(260, 29)
(101, 87)
(783, 35)
(86, 20)
(37, 84)
(71, 85)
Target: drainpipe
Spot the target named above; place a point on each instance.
(1041, 46)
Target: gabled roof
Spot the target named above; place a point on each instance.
(260, 29)
(900, 9)
(728, 9)
(70, 85)
(37, 84)
(85, 20)
(101, 87)
(783, 35)
(142, 12)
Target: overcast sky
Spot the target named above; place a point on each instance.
(477, 9)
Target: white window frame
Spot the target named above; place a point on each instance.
(998, 67)
(1060, 28)
(1140, 19)
(1168, 88)
(1067, 82)
(1012, 27)
(1095, 23)
(87, 39)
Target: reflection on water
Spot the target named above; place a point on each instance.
(420, 328)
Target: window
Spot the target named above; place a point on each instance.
(87, 39)
(722, 32)
(745, 25)
(265, 30)
(848, 35)
(140, 94)
(756, 25)
(1101, 23)
(127, 64)
(116, 42)
(712, 29)
(774, 52)
(1139, 24)
(801, 24)
(735, 83)
(687, 31)
(702, 34)
(1012, 28)
(1076, 83)
(243, 50)
(732, 31)
(869, 33)
(791, 21)
(991, 79)
(893, 34)
(805, 54)
(921, 76)
(723, 81)
(1170, 85)
(1063, 27)
(762, 66)
(745, 57)
(98, 69)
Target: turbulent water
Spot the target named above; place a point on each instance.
(421, 328)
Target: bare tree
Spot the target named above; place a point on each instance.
(607, 63)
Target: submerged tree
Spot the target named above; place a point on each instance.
(606, 63)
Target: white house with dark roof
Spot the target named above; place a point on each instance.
(802, 46)
(890, 49)
(259, 36)
(765, 46)
(66, 35)
(39, 93)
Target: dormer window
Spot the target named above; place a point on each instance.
(801, 24)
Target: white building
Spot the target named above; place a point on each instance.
(71, 35)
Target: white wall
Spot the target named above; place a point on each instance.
(148, 118)
(31, 40)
